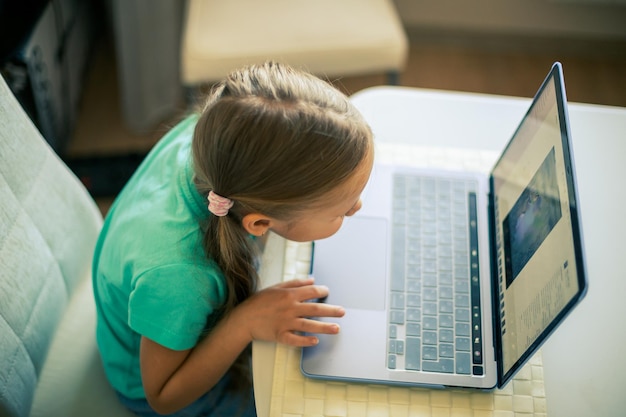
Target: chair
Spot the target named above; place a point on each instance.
(49, 363)
(329, 38)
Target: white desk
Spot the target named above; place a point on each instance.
(584, 367)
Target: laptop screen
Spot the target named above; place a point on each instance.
(539, 269)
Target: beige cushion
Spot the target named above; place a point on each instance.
(327, 37)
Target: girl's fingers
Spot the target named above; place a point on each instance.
(304, 289)
(321, 310)
(305, 334)
(298, 340)
(312, 292)
(319, 327)
(295, 283)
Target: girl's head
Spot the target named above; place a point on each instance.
(289, 150)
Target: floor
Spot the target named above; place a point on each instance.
(594, 73)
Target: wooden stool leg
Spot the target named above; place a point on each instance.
(393, 77)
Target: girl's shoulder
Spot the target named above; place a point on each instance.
(179, 136)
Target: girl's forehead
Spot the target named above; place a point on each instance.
(354, 185)
(363, 171)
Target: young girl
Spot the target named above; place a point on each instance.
(273, 149)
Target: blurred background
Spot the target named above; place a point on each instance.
(84, 70)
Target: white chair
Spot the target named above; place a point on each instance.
(49, 363)
(330, 38)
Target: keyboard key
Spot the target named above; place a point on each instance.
(446, 307)
(445, 251)
(430, 337)
(430, 309)
(400, 347)
(462, 300)
(397, 273)
(430, 253)
(429, 353)
(445, 292)
(462, 314)
(391, 361)
(397, 300)
(429, 279)
(392, 346)
(412, 359)
(413, 314)
(462, 344)
(413, 239)
(446, 335)
(442, 365)
(414, 286)
(463, 363)
(446, 350)
(461, 286)
(393, 331)
(445, 264)
(430, 266)
(462, 329)
(413, 329)
(396, 317)
(430, 323)
(430, 294)
(460, 257)
(461, 272)
(413, 300)
(445, 320)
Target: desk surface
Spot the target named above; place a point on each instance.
(584, 368)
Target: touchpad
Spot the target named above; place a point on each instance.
(352, 263)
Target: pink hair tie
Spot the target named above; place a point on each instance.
(219, 205)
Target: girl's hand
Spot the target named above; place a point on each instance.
(281, 312)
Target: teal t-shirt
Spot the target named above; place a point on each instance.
(151, 276)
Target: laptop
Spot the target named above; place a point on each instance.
(453, 278)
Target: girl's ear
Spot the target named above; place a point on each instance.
(256, 224)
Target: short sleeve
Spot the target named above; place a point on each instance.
(171, 304)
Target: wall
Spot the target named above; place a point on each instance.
(583, 19)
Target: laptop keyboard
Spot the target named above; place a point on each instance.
(435, 318)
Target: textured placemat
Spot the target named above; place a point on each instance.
(293, 395)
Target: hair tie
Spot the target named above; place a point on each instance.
(219, 205)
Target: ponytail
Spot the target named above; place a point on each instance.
(226, 242)
(229, 245)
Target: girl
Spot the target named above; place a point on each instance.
(273, 149)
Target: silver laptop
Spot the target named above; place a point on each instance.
(455, 279)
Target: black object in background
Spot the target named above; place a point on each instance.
(105, 176)
(17, 19)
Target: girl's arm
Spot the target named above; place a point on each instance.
(175, 379)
